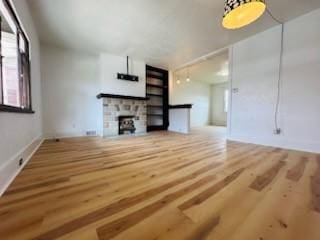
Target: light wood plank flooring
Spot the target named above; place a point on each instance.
(164, 186)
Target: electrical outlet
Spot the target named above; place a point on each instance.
(235, 90)
(277, 131)
(20, 161)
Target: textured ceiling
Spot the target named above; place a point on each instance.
(212, 70)
(165, 33)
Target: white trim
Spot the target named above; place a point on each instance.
(297, 145)
(11, 168)
(230, 78)
(48, 136)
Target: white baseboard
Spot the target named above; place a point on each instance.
(11, 168)
(69, 135)
(298, 145)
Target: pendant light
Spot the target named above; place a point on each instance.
(178, 80)
(188, 76)
(239, 13)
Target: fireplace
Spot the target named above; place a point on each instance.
(126, 125)
(117, 108)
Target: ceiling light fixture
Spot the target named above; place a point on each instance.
(239, 13)
(188, 75)
(178, 80)
(223, 73)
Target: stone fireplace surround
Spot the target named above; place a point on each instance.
(119, 105)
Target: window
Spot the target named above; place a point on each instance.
(226, 100)
(14, 63)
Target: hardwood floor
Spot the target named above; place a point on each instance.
(164, 186)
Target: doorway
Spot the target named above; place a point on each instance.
(204, 84)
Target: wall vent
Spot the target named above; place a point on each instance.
(91, 133)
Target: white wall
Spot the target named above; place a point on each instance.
(218, 115)
(21, 133)
(196, 93)
(110, 65)
(71, 80)
(70, 84)
(254, 73)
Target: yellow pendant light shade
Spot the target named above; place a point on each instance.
(239, 13)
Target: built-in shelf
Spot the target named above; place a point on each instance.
(158, 107)
(155, 127)
(154, 85)
(150, 75)
(154, 95)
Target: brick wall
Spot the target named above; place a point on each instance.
(114, 107)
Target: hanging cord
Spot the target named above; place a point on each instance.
(276, 112)
(273, 17)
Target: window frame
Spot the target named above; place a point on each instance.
(20, 32)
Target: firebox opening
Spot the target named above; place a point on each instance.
(126, 125)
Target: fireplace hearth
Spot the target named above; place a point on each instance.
(126, 125)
